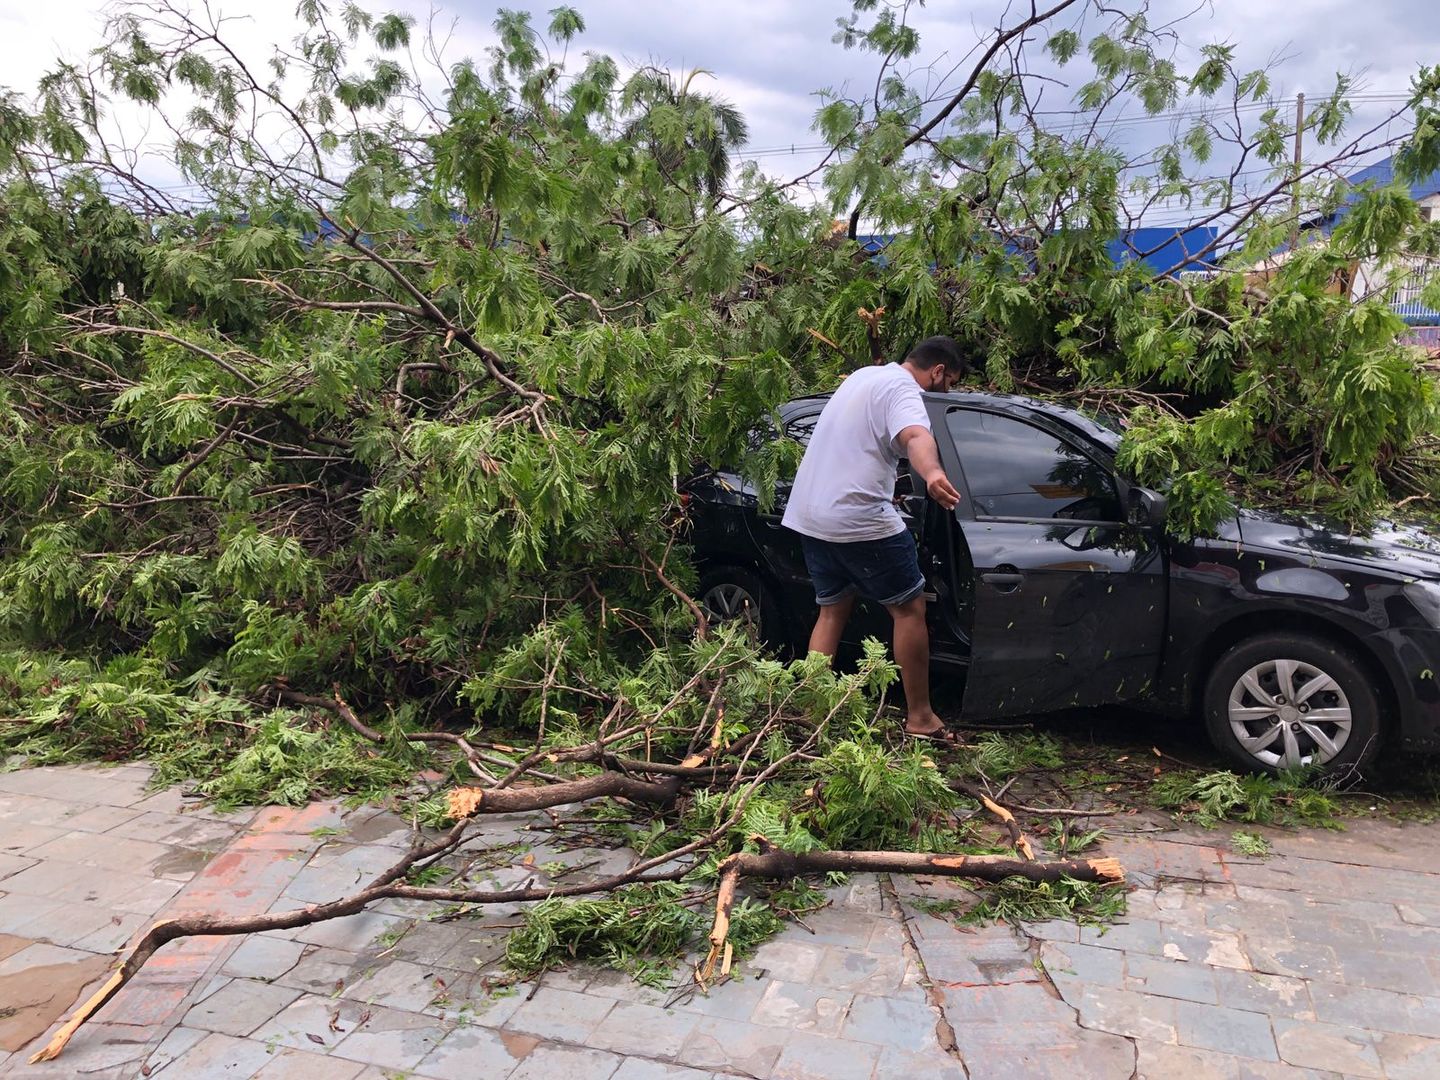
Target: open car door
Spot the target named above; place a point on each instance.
(1069, 597)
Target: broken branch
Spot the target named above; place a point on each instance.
(777, 865)
(1018, 839)
(467, 801)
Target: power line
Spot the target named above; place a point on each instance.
(1370, 96)
(1201, 111)
(1219, 113)
(786, 151)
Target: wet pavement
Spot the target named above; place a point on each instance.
(1322, 960)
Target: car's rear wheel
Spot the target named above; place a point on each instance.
(1291, 701)
(735, 594)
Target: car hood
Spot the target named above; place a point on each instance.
(1404, 549)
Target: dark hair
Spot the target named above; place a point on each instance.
(934, 351)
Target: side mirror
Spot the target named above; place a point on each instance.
(1146, 507)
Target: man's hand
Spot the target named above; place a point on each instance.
(942, 491)
(924, 455)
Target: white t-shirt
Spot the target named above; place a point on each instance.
(845, 488)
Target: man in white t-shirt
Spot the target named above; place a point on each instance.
(843, 507)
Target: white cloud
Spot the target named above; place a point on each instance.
(769, 56)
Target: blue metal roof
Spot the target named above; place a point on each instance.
(1416, 314)
(1379, 174)
(1383, 172)
(1174, 248)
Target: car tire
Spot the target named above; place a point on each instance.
(1282, 700)
(728, 593)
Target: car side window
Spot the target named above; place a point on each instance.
(798, 427)
(801, 427)
(1017, 470)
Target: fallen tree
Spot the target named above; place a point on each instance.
(680, 861)
(366, 460)
(376, 409)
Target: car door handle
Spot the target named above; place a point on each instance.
(1004, 578)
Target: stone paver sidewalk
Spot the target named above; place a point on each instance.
(1322, 961)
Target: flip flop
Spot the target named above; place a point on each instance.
(945, 736)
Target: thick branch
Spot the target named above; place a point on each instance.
(169, 930)
(783, 865)
(776, 865)
(468, 801)
(372, 307)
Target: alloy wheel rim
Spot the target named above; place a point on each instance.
(729, 601)
(1289, 714)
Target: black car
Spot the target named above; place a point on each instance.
(1055, 584)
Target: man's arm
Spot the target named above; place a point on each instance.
(919, 446)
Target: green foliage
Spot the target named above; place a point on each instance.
(1211, 798)
(1000, 755)
(637, 929)
(869, 797)
(773, 820)
(58, 710)
(641, 929)
(62, 710)
(1018, 901)
(1250, 843)
(1069, 843)
(290, 762)
(429, 813)
(434, 874)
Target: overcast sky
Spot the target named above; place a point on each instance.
(769, 56)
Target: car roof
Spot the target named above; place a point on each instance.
(1072, 418)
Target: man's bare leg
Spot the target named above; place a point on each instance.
(912, 653)
(830, 624)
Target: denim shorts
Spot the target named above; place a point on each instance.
(886, 571)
